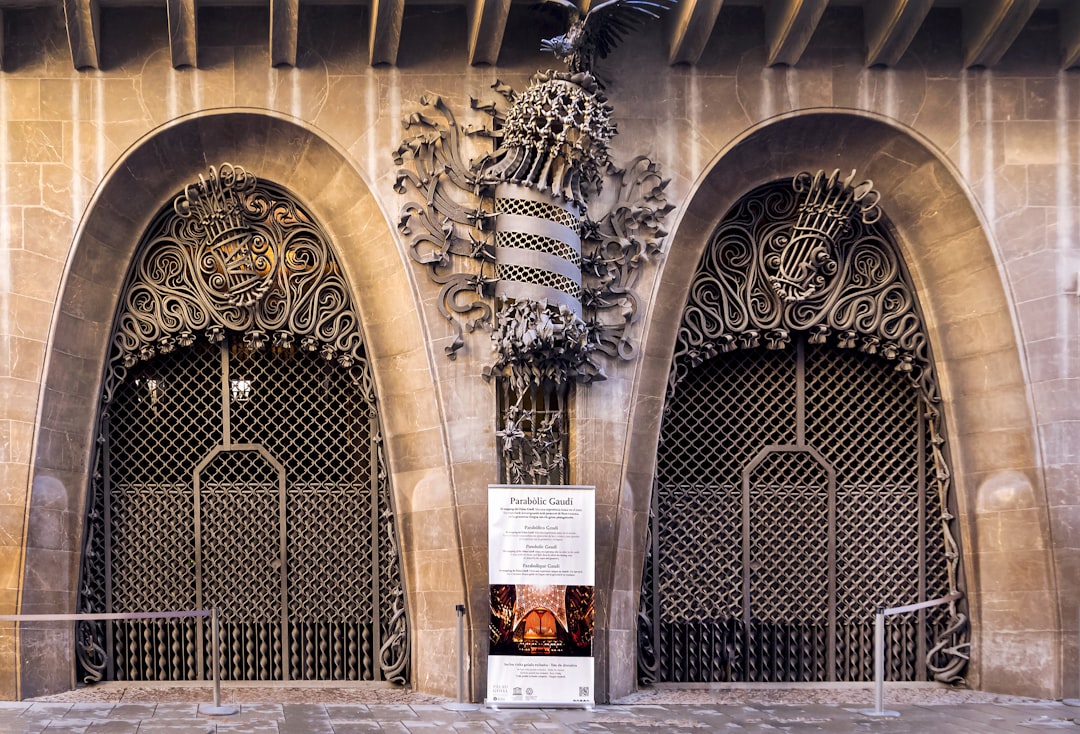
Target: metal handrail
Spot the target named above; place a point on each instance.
(217, 709)
(879, 648)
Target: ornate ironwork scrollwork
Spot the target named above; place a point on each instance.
(513, 237)
(451, 221)
(237, 254)
(236, 327)
(810, 256)
(861, 300)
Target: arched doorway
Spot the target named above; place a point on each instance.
(239, 462)
(802, 480)
(333, 187)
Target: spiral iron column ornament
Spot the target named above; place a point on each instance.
(515, 240)
(554, 147)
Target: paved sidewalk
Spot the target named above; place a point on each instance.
(32, 717)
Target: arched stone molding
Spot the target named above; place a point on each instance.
(992, 435)
(321, 175)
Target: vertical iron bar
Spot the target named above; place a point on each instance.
(921, 624)
(654, 549)
(879, 662)
(226, 439)
(800, 392)
(746, 568)
(830, 642)
(283, 633)
(376, 561)
(106, 478)
(200, 650)
(460, 608)
(226, 395)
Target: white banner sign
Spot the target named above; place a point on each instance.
(541, 568)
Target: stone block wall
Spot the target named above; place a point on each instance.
(979, 171)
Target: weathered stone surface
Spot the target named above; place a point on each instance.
(978, 171)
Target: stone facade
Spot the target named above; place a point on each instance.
(979, 171)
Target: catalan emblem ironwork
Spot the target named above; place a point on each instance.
(236, 262)
(234, 254)
(805, 260)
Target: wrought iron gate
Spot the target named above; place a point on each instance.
(801, 480)
(239, 464)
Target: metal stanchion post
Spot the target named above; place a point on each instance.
(879, 649)
(461, 704)
(215, 634)
(879, 668)
(1076, 701)
(460, 653)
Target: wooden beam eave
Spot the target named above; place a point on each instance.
(690, 31)
(284, 31)
(183, 43)
(385, 38)
(889, 26)
(487, 25)
(991, 26)
(1070, 36)
(789, 24)
(82, 20)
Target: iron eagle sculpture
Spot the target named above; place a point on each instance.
(593, 35)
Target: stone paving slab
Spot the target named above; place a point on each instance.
(112, 709)
(321, 718)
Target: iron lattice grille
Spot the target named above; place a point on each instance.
(866, 420)
(305, 576)
(787, 594)
(767, 569)
(239, 462)
(801, 342)
(240, 559)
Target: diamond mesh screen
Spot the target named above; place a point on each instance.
(536, 276)
(773, 553)
(538, 243)
(538, 209)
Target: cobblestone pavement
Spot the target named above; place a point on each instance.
(323, 711)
